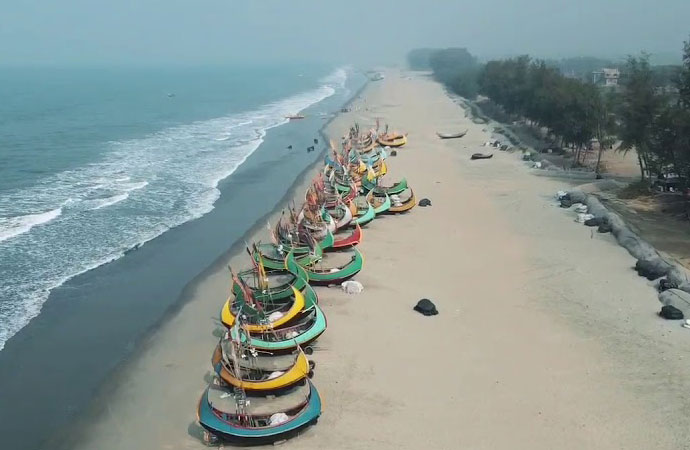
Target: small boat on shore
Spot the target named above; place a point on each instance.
(399, 205)
(392, 140)
(321, 274)
(482, 156)
(348, 240)
(380, 204)
(295, 116)
(452, 135)
(306, 329)
(365, 213)
(272, 284)
(260, 372)
(396, 188)
(238, 418)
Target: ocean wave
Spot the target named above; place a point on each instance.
(109, 201)
(182, 166)
(15, 226)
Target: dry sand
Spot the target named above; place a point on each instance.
(546, 339)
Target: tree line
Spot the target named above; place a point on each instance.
(638, 116)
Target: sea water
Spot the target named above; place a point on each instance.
(95, 162)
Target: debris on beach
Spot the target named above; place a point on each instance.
(426, 307)
(351, 287)
(425, 202)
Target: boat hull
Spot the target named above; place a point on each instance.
(235, 434)
(349, 241)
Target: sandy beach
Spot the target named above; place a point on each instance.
(545, 339)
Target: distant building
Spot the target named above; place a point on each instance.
(606, 77)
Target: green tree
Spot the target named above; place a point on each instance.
(606, 124)
(639, 107)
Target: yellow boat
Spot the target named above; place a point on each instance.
(392, 140)
(400, 206)
(259, 372)
(286, 313)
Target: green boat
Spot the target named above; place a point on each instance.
(280, 282)
(268, 305)
(366, 217)
(397, 188)
(303, 332)
(273, 256)
(331, 275)
(381, 205)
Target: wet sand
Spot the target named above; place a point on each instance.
(545, 339)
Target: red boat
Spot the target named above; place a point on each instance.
(347, 241)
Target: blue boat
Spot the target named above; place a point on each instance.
(257, 420)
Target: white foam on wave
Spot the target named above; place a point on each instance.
(15, 226)
(135, 186)
(183, 166)
(109, 201)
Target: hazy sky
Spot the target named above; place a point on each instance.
(220, 31)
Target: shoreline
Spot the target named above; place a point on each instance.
(69, 437)
(544, 338)
(92, 326)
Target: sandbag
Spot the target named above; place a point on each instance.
(426, 307)
(676, 298)
(651, 269)
(593, 222)
(604, 227)
(665, 285)
(582, 218)
(670, 312)
(656, 266)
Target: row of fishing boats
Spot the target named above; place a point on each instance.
(262, 391)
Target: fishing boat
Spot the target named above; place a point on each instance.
(365, 212)
(271, 284)
(295, 116)
(378, 189)
(258, 318)
(245, 368)
(324, 275)
(261, 310)
(344, 240)
(380, 204)
(342, 214)
(452, 135)
(303, 331)
(399, 205)
(392, 140)
(236, 417)
(482, 156)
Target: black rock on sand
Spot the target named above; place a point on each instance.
(426, 307)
